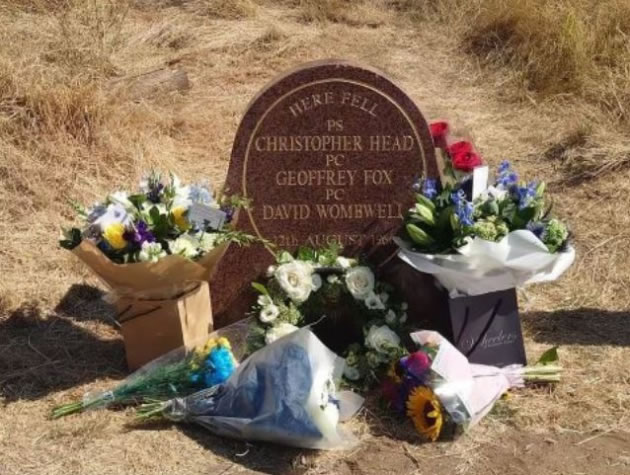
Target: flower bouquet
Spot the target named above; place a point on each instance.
(176, 374)
(283, 393)
(168, 376)
(350, 311)
(151, 242)
(156, 249)
(443, 394)
(503, 238)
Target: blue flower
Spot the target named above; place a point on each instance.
(429, 188)
(538, 228)
(463, 208)
(525, 194)
(219, 366)
(506, 177)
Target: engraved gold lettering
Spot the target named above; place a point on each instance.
(378, 177)
(286, 211)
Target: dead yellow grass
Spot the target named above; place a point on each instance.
(70, 128)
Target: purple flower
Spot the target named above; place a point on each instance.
(155, 190)
(140, 234)
(429, 188)
(416, 364)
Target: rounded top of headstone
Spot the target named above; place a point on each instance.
(338, 138)
(327, 152)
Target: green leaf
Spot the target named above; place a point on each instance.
(306, 254)
(260, 288)
(72, 238)
(540, 189)
(138, 200)
(548, 357)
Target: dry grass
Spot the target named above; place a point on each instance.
(67, 130)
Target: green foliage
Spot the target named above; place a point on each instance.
(549, 357)
(72, 238)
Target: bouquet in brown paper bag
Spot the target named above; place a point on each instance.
(152, 248)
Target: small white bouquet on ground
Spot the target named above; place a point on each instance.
(284, 393)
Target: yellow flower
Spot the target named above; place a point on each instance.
(179, 216)
(113, 234)
(425, 410)
(224, 342)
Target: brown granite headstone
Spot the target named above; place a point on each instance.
(327, 152)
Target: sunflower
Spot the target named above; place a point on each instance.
(425, 411)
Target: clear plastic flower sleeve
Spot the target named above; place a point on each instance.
(483, 266)
(284, 393)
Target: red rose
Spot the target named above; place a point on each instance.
(439, 131)
(459, 147)
(466, 161)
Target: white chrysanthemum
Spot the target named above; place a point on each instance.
(360, 282)
(184, 245)
(151, 252)
(381, 339)
(295, 279)
(373, 302)
(316, 282)
(207, 241)
(182, 193)
(279, 331)
(264, 300)
(269, 313)
(390, 317)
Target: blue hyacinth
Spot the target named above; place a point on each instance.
(538, 228)
(463, 208)
(219, 366)
(525, 194)
(506, 177)
(429, 188)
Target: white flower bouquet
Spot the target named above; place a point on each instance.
(284, 393)
(353, 313)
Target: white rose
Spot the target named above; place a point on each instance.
(390, 317)
(360, 282)
(344, 262)
(264, 300)
(270, 270)
(381, 339)
(151, 252)
(184, 245)
(295, 279)
(269, 313)
(279, 331)
(316, 282)
(384, 297)
(373, 302)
